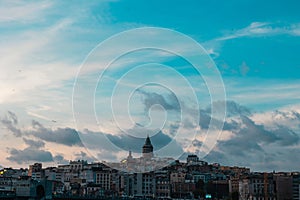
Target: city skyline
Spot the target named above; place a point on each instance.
(46, 46)
(146, 158)
(189, 179)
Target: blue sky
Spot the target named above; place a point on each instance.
(255, 46)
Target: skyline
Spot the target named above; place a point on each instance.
(45, 44)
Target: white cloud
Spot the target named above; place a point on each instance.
(24, 66)
(244, 68)
(257, 29)
(286, 116)
(21, 11)
(262, 93)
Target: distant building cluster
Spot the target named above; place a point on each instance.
(193, 179)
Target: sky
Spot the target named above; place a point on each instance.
(91, 79)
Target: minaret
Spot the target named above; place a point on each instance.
(129, 157)
(148, 148)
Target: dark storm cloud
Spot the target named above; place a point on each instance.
(286, 136)
(250, 144)
(196, 142)
(249, 139)
(10, 121)
(231, 125)
(239, 146)
(168, 102)
(33, 152)
(33, 143)
(128, 142)
(216, 156)
(106, 142)
(60, 159)
(29, 154)
(66, 136)
(188, 124)
(95, 140)
(232, 108)
(13, 117)
(253, 144)
(295, 115)
(281, 135)
(255, 132)
(173, 128)
(204, 120)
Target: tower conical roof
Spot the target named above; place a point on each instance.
(148, 141)
(148, 148)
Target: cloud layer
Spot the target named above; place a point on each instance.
(261, 144)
